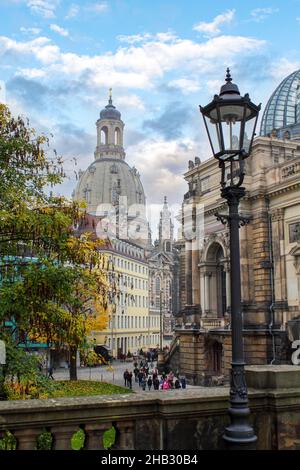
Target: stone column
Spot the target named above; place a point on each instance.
(188, 273)
(280, 284)
(94, 435)
(207, 291)
(62, 436)
(202, 294)
(126, 438)
(297, 267)
(195, 274)
(228, 299)
(27, 438)
(261, 267)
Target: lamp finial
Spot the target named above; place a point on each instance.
(228, 76)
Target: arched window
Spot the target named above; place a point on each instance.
(117, 136)
(157, 285)
(104, 135)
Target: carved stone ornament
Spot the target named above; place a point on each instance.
(238, 387)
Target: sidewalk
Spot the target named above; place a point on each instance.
(113, 374)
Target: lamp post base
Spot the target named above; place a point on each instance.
(239, 437)
(239, 434)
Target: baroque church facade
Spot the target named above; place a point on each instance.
(116, 211)
(270, 253)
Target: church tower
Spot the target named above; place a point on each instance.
(110, 129)
(166, 229)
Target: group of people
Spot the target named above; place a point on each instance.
(147, 377)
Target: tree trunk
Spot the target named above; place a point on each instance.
(73, 363)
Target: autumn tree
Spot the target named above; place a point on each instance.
(51, 283)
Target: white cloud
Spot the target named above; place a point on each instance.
(33, 31)
(260, 14)
(73, 11)
(213, 28)
(214, 86)
(138, 66)
(283, 67)
(40, 48)
(161, 165)
(186, 85)
(98, 7)
(59, 30)
(130, 101)
(44, 8)
(136, 38)
(31, 73)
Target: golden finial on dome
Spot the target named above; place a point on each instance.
(110, 95)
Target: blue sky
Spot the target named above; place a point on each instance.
(162, 59)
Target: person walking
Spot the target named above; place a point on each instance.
(166, 385)
(155, 383)
(50, 372)
(183, 382)
(125, 375)
(149, 382)
(177, 384)
(129, 379)
(143, 382)
(140, 376)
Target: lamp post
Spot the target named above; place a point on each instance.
(230, 122)
(160, 323)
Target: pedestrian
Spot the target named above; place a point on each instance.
(177, 384)
(125, 375)
(166, 385)
(50, 372)
(136, 373)
(143, 382)
(183, 382)
(140, 376)
(156, 383)
(161, 382)
(129, 379)
(149, 383)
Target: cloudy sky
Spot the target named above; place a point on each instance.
(162, 59)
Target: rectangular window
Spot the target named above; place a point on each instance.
(294, 232)
(204, 184)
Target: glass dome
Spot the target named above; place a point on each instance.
(283, 108)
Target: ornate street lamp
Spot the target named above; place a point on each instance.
(230, 121)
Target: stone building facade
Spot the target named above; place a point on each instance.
(116, 210)
(270, 263)
(163, 273)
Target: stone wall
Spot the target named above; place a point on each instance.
(191, 419)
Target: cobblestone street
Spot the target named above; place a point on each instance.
(113, 374)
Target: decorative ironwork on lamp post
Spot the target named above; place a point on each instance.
(230, 122)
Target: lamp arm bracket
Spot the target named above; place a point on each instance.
(224, 219)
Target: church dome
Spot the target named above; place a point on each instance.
(105, 180)
(282, 113)
(109, 177)
(110, 112)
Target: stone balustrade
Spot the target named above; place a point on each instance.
(208, 323)
(161, 420)
(290, 170)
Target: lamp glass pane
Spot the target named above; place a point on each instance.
(248, 133)
(232, 111)
(214, 135)
(231, 134)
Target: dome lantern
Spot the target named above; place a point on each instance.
(110, 130)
